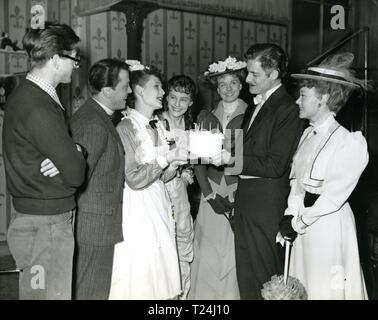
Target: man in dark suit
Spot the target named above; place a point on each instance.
(272, 129)
(99, 216)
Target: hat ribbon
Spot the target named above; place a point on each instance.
(326, 75)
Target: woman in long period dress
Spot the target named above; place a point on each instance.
(326, 168)
(145, 264)
(213, 267)
(180, 95)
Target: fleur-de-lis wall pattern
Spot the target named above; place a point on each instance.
(17, 18)
(119, 21)
(99, 39)
(156, 25)
(174, 41)
(205, 50)
(156, 61)
(189, 66)
(249, 37)
(190, 30)
(220, 34)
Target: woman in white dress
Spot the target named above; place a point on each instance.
(326, 168)
(145, 264)
(180, 95)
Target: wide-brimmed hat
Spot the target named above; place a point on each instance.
(228, 66)
(336, 69)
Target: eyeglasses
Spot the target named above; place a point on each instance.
(75, 59)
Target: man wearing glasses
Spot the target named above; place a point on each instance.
(75, 59)
(40, 235)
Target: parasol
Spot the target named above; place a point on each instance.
(284, 287)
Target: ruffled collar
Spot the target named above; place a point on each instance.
(137, 116)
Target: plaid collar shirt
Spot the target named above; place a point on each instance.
(48, 88)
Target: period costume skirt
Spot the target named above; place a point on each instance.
(146, 262)
(213, 268)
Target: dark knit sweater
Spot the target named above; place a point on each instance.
(35, 129)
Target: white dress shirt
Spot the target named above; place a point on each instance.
(260, 100)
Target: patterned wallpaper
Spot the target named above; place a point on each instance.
(174, 41)
(180, 42)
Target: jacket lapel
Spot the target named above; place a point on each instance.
(267, 109)
(247, 118)
(219, 111)
(107, 120)
(238, 113)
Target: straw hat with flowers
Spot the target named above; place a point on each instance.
(228, 66)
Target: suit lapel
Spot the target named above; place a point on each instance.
(107, 120)
(267, 109)
(247, 118)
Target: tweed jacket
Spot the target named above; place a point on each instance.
(99, 215)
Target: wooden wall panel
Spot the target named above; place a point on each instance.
(190, 45)
(249, 34)
(144, 46)
(206, 55)
(118, 35)
(18, 19)
(98, 37)
(65, 11)
(53, 11)
(206, 45)
(157, 40)
(274, 34)
(2, 16)
(3, 207)
(18, 62)
(220, 38)
(262, 33)
(175, 43)
(235, 36)
(79, 77)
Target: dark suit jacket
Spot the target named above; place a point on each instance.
(273, 137)
(268, 148)
(260, 203)
(99, 209)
